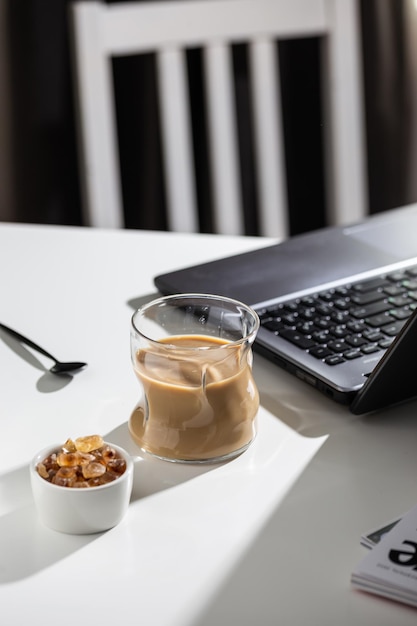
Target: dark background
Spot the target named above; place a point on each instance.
(45, 184)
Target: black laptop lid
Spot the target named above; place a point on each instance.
(302, 262)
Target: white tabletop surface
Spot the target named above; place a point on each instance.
(268, 538)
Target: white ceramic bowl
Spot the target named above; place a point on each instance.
(81, 511)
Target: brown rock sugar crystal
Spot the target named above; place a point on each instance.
(85, 462)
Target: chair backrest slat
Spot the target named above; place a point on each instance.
(176, 137)
(227, 209)
(269, 139)
(131, 27)
(101, 186)
(343, 108)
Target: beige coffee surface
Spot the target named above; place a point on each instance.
(200, 404)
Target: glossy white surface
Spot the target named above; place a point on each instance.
(270, 537)
(81, 511)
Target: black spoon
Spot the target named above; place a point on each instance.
(58, 367)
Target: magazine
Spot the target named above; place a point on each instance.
(390, 568)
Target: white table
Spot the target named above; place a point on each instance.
(269, 538)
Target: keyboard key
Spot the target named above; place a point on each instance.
(394, 290)
(370, 348)
(371, 309)
(307, 313)
(370, 285)
(352, 354)
(320, 352)
(397, 277)
(368, 296)
(339, 331)
(373, 335)
(306, 328)
(356, 326)
(289, 318)
(401, 314)
(327, 296)
(342, 304)
(339, 316)
(291, 307)
(380, 320)
(393, 329)
(324, 322)
(356, 341)
(325, 309)
(399, 301)
(274, 311)
(386, 343)
(320, 336)
(274, 325)
(297, 338)
(309, 300)
(335, 359)
(338, 346)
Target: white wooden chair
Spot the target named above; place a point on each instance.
(102, 31)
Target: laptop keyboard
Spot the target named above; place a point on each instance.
(341, 324)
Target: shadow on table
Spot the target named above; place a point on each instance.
(27, 546)
(136, 303)
(152, 474)
(48, 382)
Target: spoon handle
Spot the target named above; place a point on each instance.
(26, 341)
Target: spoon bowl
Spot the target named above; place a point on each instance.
(59, 367)
(63, 368)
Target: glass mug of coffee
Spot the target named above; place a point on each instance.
(192, 354)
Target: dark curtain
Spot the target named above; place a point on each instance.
(45, 177)
(390, 73)
(46, 183)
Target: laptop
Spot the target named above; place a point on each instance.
(337, 306)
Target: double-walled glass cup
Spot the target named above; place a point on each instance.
(193, 358)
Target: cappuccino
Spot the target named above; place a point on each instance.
(200, 400)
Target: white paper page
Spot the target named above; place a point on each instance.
(391, 567)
